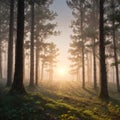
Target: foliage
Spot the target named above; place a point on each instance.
(58, 104)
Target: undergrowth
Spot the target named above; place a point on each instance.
(68, 103)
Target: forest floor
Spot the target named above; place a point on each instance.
(59, 102)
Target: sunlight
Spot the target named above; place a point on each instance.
(62, 71)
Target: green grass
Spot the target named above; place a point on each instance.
(54, 102)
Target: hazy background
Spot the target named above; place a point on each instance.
(63, 20)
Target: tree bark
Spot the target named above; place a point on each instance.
(37, 66)
(83, 68)
(83, 64)
(17, 86)
(32, 46)
(115, 49)
(1, 60)
(42, 71)
(10, 45)
(88, 69)
(94, 66)
(103, 73)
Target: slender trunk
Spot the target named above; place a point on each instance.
(10, 45)
(0, 50)
(90, 66)
(24, 67)
(98, 70)
(77, 74)
(32, 46)
(115, 49)
(37, 66)
(113, 75)
(83, 64)
(88, 69)
(94, 65)
(83, 69)
(94, 46)
(17, 86)
(103, 74)
(0, 60)
(5, 64)
(42, 71)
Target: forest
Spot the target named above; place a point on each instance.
(31, 89)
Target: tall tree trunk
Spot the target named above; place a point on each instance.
(32, 46)
(94, 65)
(5, 63)
(17, 86)
(78, 75)
(42, 72)
(113, 75)
(103, 74)
(10, 45)
(94, 46)
(37, 66)
(1, 60)
(88, 69)
(115, 48)
(83, 68)
(83, 63)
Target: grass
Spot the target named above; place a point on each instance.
(54, 102)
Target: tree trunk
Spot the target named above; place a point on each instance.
(83, 64)
(32, 46)
(103, 74)
(78, 75)
(42, 72)
(88, 69)
(94, 65)
(1, 60)
(17, 86)
(83, 68)
(115, 49)
(10, 45)
(37, 66)
(113, 75)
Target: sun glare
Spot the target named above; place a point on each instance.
(62, 71)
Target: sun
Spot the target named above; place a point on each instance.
(61, 71)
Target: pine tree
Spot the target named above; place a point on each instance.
(17, 86)
(10, 45)
(103, 73)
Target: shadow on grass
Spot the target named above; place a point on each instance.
(91, 91)
(114, 101)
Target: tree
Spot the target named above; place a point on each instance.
(10, 45)
(17, 86)
(92, 34)
(75, 48)
(79, 12)
(103, 74)
(51, 58)
(4, 24)
(114, 43)
(32, 45)
(39, 14)
(112, 25)
(48, 57)
(112, 29)
(43, 29)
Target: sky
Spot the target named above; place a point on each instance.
(62, 41)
